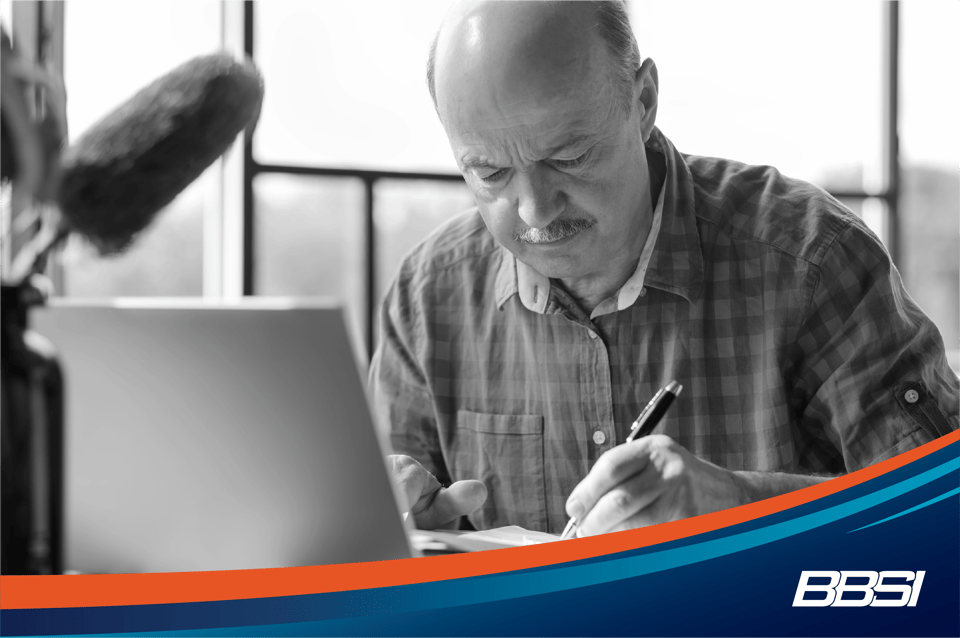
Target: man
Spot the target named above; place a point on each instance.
(519, 341)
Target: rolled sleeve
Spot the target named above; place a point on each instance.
(874, 370)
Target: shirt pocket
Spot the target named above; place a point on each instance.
(506, 453)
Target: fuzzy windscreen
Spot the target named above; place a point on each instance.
(137, 159)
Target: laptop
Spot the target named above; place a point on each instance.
(212, 436)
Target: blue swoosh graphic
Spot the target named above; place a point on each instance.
(952, 492)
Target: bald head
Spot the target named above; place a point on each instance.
(526, 45)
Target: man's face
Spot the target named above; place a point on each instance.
(558, 169)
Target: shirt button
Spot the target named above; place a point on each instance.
(593, 335)
(643, 291)
(911, 396)
(599, 437)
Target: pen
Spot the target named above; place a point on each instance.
(649, 419)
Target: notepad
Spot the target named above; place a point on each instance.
(512, 536)
(439, 541)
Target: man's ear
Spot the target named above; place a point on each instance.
(646, 91)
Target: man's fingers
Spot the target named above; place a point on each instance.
(660, 510)
(415, 482)
(611, 469)
(461, 498)
(624, 502)
(431, 505)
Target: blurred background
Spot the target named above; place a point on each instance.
(349, 167)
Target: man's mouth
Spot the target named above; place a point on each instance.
(555, 231)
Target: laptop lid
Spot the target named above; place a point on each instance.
(205, 436)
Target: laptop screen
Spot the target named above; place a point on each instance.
(211, 437)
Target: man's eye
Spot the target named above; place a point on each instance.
(493, 177)
(569, 163)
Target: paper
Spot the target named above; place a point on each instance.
(512, 536)
(440, 541)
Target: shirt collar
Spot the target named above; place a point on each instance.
(506, 285)
(517, 277)
(671, 258)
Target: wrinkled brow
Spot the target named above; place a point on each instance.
(472, 160)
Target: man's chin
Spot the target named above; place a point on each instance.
(552, 266)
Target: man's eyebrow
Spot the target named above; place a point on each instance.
(472, 161)
(580, 140)
(481, 161)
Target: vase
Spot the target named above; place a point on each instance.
(31, 439)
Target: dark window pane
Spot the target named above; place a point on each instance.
(406, 211)
(928, 230)
(309, 240)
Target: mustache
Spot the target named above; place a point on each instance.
(557, 229)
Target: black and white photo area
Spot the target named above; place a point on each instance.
(349, 167)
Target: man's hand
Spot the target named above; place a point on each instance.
(433, 506)
(648, 481)
(655, 480)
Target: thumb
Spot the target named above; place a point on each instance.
(413, 480)
(461, 498)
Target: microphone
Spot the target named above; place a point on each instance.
(136, 160)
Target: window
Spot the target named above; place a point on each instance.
(930, 137)
(776, 84)
(406, 211)
(110, 53)
(349, 166)
(6, 8)
(310, 239)
(346, 85)
(794, 85)
(344, 102)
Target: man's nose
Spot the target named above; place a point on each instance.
(539, 201)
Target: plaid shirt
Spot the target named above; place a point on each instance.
(776, 308)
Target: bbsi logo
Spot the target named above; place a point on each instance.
(860, 594)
